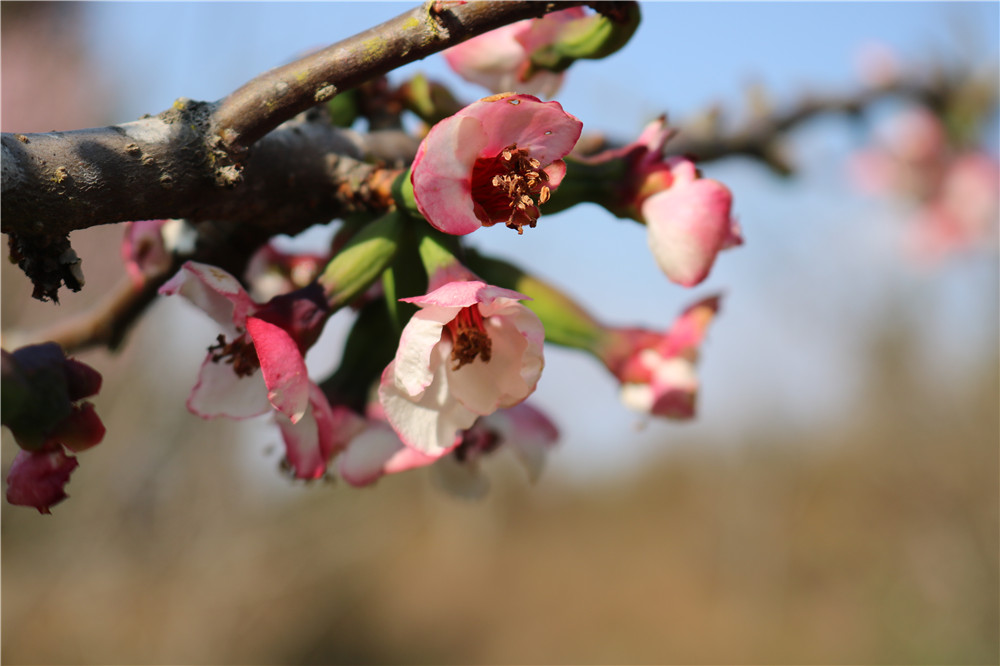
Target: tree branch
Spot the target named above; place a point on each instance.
(275, 96)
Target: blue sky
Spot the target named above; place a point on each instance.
(820, 262)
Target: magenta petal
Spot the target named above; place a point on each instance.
(80, 430)
(283, 368)
(37, 478)
(688, 225)
(303, 449)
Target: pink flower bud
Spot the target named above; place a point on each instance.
(37, 478)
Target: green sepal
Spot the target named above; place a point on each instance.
(587, 182)
(402, 193)
(438, 250)
(344, 108)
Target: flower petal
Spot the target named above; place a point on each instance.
(377, 452)
(441, 174)
(37, 478)
(316, 437)
(431, 423)
(215, 291)
(283, 368)
(221, 392)
(688, 224)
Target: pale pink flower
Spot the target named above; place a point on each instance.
(500, 60)
(273, 339)
(658, 372)
(470, 350)
(494, 161)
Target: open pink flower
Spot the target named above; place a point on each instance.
(494, 161)
(658, 371)
(470, 350)
(500, 60)
(688, 217)
(273, 339)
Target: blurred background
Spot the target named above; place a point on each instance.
(835, 501)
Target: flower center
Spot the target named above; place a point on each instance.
(469, 338)
(504, 188)
(239, 353)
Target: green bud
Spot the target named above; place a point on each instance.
(594, 37)
(429, 100)
(362, 260)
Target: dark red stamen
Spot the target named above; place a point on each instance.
(504, 188)
(240, 353)
(469, 337)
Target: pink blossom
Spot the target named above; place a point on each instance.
(271, 338)
(494, 161)
(688, 217)
(956, 194)
(658, 371)
(470, 350)
(500, 60)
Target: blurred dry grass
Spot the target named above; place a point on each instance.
(875, 541)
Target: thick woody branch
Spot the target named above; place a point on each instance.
(155, 168)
